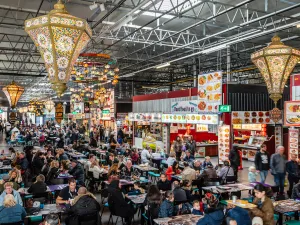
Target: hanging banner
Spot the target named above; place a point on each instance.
(202, 118)
(293, 142)
(173, 118)
(209, 92)
(223, 143)
(184, 107)
(59, 112)
(278, 135)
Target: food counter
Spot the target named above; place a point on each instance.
(207, 149)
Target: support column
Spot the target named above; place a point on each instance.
(228, 64)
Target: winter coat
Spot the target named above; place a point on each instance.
(37, 188)
(241, 216)
(234, 158)
(191, 146)
(209, 173)
(166, 209)
(12, 214)
(212, 217)
(262, 161)
(38, 164)
(265, 211)
(177, 146)
(16, 195)
(83, 205)
(292, 168)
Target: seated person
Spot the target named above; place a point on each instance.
(240, 215)
(61, 155)
(296, 191)
(209, 173)
(166, 208)
(113, 170)
(135, 156)
(163, 184)
(173, 170)
(188, 157)
(225, 171)
(197, 209)
(136, 190)
(206, 162)
(8, 189)
(10, 211)
(38, 186)
(127, 170)
(67, 193)
(112, 159)
(265, 209)
(197, 166)
(15, 176)
(146, 155)
(79, 207)
(213, 214)
(53, 173)
(171, 159)
(77, 172)
(179, 193)
(96, 169)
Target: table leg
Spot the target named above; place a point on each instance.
(142, 212)
(296, 215)
(280, 219)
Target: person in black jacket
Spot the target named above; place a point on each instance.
(38, 162)
(77, 172)
(117, 204)
(61, 142)
(84, 206)
(234, 158)
(163, 184)
(54, 171)
(38, 186)
(292, 168)
(191, 145)
(262, 162)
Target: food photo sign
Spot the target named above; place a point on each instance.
(293, 142)
(209, 92)
(292, 113)
(224, 143)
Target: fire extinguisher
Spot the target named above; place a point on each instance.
(241, 160)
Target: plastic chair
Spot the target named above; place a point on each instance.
(154, 177)
(292, 222)
(15, 223)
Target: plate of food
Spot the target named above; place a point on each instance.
(202, 105)
(293, 119)
(293, 134)
(202, 80)
(293, 140)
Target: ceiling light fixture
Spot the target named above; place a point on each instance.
(163, 65)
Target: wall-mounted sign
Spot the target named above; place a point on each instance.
(105, 114)
(223, 143)
(209, 92)
(59, 112)
(185, 107)
(293, 142)
(201, 128)
(173, 118)
(202, 118)
(292, 113)
(224, 108)
(251, 117)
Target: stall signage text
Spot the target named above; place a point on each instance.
(184, 107)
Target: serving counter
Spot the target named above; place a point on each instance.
(207, 149)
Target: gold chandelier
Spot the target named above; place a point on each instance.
(275, 63)
(59, 37)
(49, 105)
(13, 93)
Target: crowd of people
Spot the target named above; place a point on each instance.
(177, 191)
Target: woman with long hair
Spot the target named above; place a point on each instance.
(54, 171)
(173, 170)
(153, 200)
(265, 208)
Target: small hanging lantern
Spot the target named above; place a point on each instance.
(49, 105)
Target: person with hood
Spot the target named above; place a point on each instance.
(213, 214)
(84, 204)
(234, 158)
(77, 172)
(240, 215)
(117, 203)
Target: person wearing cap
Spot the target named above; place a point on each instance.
(77, 172)
(212, 214)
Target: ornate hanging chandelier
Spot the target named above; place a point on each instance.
(49, 105)
(59, 37)
(13, 93)
(275, 63)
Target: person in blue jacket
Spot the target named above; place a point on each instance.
(212, 215)
(8, 189)
(166, 208)
(11, 212)
(240, 215)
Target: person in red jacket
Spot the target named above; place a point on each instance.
(135, 157)
(173, 170)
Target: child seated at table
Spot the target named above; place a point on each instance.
(197, 208)
(166, 208)
(136, 190)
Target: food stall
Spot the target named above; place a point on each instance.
(250, 131)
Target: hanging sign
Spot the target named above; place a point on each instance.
(292, 113)
(59, 112)
(293, 142)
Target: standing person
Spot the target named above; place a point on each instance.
(234, 158)
(292, 168)
(177, 146)
(262, 163)
(278, 169)
(191, 145)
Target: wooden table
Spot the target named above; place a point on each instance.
(242, 204)
(188, 219)
(285, 206)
